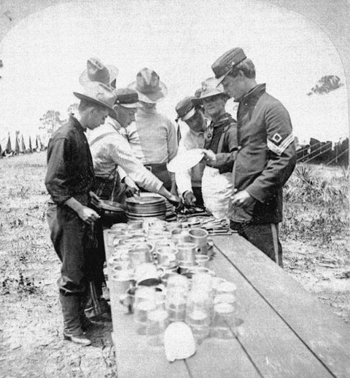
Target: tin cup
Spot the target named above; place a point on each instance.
(119, 227)
(148, 274)
(166, 257)
(138, 257)
(135, 224)
(145, 247)
(202, 261)
(111, 235)
(119, 284)
(179, 235)
(186, 253)
(199, 237)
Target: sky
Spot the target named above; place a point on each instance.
(45, 53)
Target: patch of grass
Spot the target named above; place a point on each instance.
(315, 207)
(19, 284)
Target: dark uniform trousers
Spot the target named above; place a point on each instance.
(262, 236)
(74, 244)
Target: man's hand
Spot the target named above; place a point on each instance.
(209, 156)
(174, 200)
(131, 191)
(131, 188)
(242, 199)
(88, 215)
(189, 197)
(95, 199)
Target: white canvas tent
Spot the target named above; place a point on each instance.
(16, 142)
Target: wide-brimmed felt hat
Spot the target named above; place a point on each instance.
(98, 93)
(148, 86)
(226, 62)
(127, 98)
(210, 88)
(97, 71)
(185, 109)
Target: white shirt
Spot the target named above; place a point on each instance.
(109, 147)
(152, 137)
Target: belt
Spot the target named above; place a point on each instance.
(156, 167)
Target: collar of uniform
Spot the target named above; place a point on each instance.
(114, 123)
(222, 119)
(257, 91)
(77, 124)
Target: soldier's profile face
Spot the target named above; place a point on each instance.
(230, 83)
(97, 117)
(197, 121)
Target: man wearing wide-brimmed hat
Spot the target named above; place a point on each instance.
(153, 136)
(97, 71)
(216, 180)
(109, 146)
(266, 153)
(117, 170)
(110, 149)
(69, 180)
(189, 182)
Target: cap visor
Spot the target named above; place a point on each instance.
(221, 78)
(133, 105)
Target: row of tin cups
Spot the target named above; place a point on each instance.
(168, 249)
(164, 253)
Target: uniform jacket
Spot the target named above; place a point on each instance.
(266, 156)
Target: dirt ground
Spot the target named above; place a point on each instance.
(31, 343)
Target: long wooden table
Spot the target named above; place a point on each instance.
(287, 331)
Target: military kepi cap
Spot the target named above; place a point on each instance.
(128, 98)
(185, 108)
(225, 63)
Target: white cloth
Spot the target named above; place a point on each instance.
(187, 179)
(109, 147)
(217, 191)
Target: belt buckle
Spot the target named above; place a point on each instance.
(149, 167)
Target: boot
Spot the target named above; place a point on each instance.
(72, 326)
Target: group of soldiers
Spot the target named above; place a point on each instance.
(118, 144)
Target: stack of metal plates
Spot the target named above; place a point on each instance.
(147, 205)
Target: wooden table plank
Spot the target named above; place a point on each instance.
(221, 358)
(274, 349)
(319, 329)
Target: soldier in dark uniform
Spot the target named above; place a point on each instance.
(69, 181)
(266, 154)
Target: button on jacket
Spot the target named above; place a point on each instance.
(266, 156)
(69, 164)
